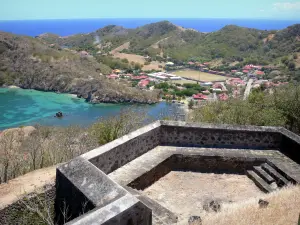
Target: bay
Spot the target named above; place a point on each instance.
(20, 107)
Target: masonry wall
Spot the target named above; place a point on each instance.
(125, 150)
(290, 145)
(213, 137)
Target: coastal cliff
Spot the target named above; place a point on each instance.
(32, 64)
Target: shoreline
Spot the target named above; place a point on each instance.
(88, 101)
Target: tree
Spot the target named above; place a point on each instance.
(191, 104)
(291, 66)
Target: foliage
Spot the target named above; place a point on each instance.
(109, 129)
(282, 108)
(191, 104)
(163, 85)
(47, 146)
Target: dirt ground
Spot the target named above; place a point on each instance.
(184, 193)
(198, 75)
(15, 188)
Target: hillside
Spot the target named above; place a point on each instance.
(30, 63)
(166, 39)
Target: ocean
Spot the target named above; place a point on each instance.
(74, 26)
(20, 107)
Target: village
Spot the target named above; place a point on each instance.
(199, 83)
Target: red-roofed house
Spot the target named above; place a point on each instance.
(139, 77)
(223, 97)
(143, 83)
(245, 71)
(200, 96)
(113, 76)
(260, 73)
(191, 63)
(217, 85)
(233, 71)
(235, 81)
(247, 67)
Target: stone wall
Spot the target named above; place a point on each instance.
(123, 150)
(177, 134)
(84, 179)
(290, 145)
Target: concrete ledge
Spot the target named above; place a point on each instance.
(124, 211)
(80, 187)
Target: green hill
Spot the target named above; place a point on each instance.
(30, 63)
(231, 42)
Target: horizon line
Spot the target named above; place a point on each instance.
(156, 18)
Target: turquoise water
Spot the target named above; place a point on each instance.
(19, 107)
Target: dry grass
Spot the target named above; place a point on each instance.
(198, 75)
(154, 65)
(120, 48)
(283, 209)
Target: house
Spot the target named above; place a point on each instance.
(113, 76)
(139, 77)
(207, 84)
(217, 85)
(245, 71)
(233, 71)
(143, 83)
(216, 89)
(191, 63)
(239, 73)
(248, 67)
(206, 92)
(169, 64)
(116, 71)
(128, 75)
(259, 73)
(236, 82)
(223, 97)
(200, 96)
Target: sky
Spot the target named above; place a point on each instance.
(71, 9)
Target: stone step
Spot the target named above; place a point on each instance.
(263, 174)
(160, 215)
(280, 180)
(263, 185)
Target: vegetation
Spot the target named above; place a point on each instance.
(22, 152)
(115, 63)
(282, 108)
(30, 63)
(247, 212)
(164, 41)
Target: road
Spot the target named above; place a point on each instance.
(248, 89)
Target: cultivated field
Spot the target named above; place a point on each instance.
(154, 65)
(198, 75)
